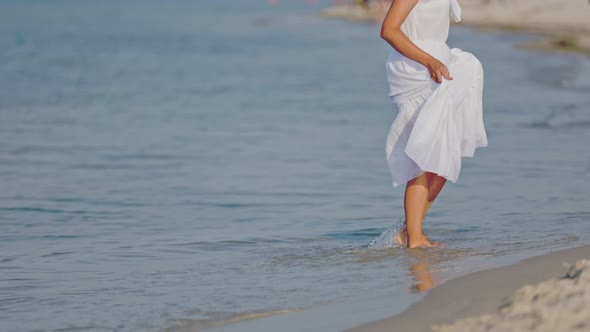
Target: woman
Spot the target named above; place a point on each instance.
(438, 95)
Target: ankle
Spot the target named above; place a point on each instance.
(415, 240)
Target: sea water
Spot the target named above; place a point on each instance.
(169, 165)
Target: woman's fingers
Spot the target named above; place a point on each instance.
(438, 74)
(445, 73)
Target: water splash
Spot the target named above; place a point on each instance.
(390, 238)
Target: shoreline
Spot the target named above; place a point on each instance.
(466, 296)
(478, 293)
(566, 29)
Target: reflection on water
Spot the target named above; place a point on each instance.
(423, 277)
(421, 270)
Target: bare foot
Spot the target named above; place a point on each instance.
(402, 239)
(423, 242)
(434, 243)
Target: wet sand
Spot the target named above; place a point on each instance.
(491, 293)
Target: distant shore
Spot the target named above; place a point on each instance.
(566, 25)
(487, 300)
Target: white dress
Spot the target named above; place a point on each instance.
(436, 124)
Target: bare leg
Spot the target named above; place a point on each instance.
(435, 185)
(419, 196)
(415, 199)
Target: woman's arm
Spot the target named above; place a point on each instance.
(390, 31)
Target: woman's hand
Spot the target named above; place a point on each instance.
(438, 70)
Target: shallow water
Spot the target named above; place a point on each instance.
(192, 162)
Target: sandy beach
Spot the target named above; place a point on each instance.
(545, 293)
(565, 24)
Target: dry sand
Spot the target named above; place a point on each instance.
(559, 304)
(549, 306)
(565, 23)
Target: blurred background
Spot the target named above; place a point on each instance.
(186, 164)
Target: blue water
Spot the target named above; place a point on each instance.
(172, 164)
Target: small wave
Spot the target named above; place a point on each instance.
(146, 156)
(572, 116)
(236, 244)
(354, 234)
(61, 237)
(58, 253)
(200, 324)
(40, 209)
(228, 205)
(556, 124)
